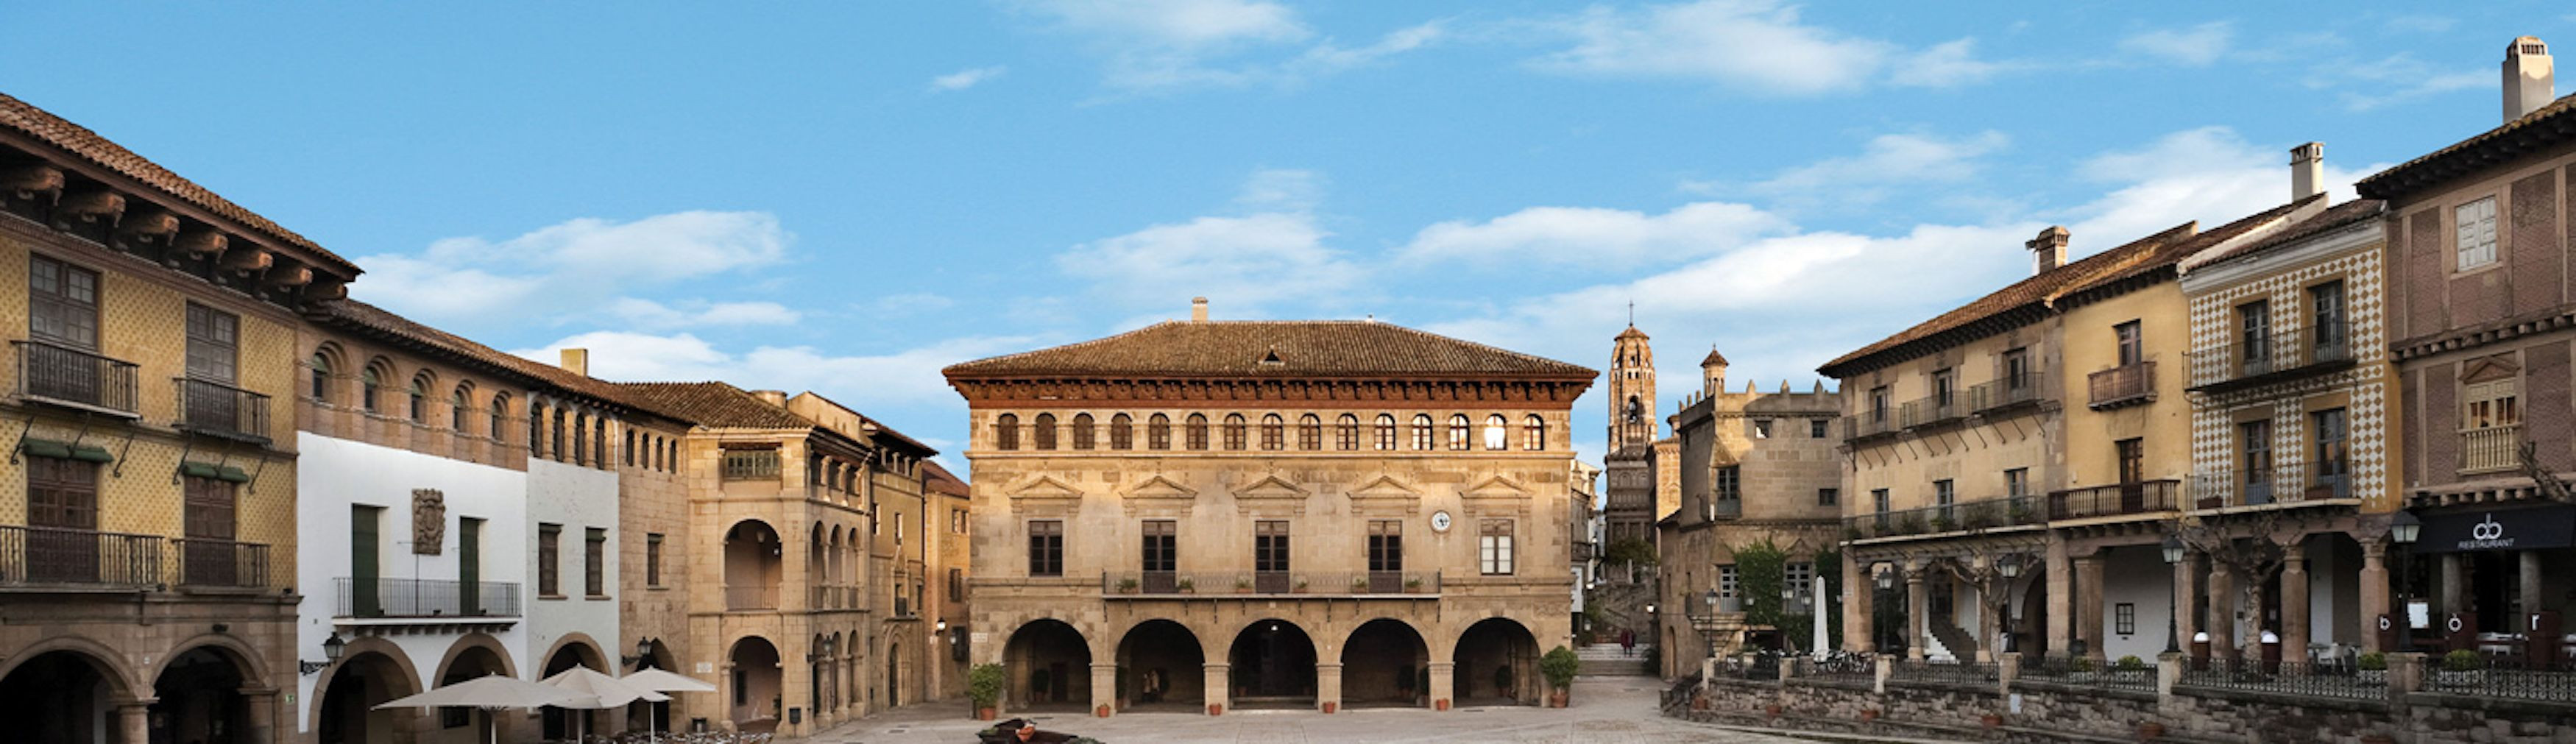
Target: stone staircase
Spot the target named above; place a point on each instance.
(1606, 660)
(1949, 641)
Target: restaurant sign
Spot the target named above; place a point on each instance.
(2499, 529)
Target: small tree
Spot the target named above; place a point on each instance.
(1559, 666)
(984, 685)
(1632, 552)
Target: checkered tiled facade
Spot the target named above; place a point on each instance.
(2366, 385)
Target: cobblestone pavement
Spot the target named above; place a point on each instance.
(1606, 710)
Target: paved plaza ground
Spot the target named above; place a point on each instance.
(1606, 710)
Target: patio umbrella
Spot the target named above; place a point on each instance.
(496, 691)
(597, 691)
(659, 680)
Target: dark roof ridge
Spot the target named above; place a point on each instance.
(2036, 290)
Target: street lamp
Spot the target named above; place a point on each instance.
(2008, 567)
(2403, 529)
(643, 651)
(2173, 594)
(332, 648)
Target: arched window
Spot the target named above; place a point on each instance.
(1310, 433)
(1271, 432)
(1498, 432)
(1158, 432)
(1045, 431)
(1346, 433)
(536, 429)
(1534, 433)
(321, 377)
(1083, 435)
(500, 414)
(1422, 438)
(599, 442)
(370, 382)
(580, 437)
(627, 453)
(1006, 432)
(420, 398)
(1234, 432)
(554, 435)
(1122, 432)
(1385, 432)
(1458, 437)
(1194, 432)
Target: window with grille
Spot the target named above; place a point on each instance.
(1195, 432)
(1046, 547)
(1084, 436)
(1158, 432)
(1494, 547)
(1422, 437)
(652, 559)
(1726, 582)
(1534, 433)
(1801, 578)
(1006, 432)
(1385, 433)
(549, 568)
(1346, 433)
(2491, 404)
(214, 340)
(1273, 434)
(1234, 432)
(1816, 428)
(1828, 496)
(2124, 618)
(2476, 225)
(1044, 432)
(1458, 435)
(1122, 432)
(594, 562)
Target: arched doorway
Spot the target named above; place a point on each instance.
(59, 697)
(1386, 664)
(1049, 666)
(1161, 666)
(199, 700)
(755, 685)
(641, 715)
(467, 724)
(1496, 664)
(1272, 664)
(894, 673)
(349, 714)
(752, 566)
(2029, 623)
(561, 723)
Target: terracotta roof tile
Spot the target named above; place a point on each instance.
(1306, 348)
(712, 404)
(942, 481)
(2349, 212)
(80, 141)
(2555, 122)
(355, 314)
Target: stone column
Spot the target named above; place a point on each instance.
(261, 702)
(134, 721)
(1328, 687)
(2529, 578)
(1443, 681)
(2186, 594)
(2222, 612)
(2061, 600)
(1104, 688)
(1860, 594)
(2375, 594)
(2294, 601)
(1918, 603)
(1218, 685)
(2088, 604)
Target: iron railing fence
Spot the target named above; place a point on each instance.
(386, 597)
(2006, 391)
(2117, 499)
(2505, 677)
(220, 563)
(56, 556)
(62, 374)
(223, 410)
(1972, 516)
(2226, 487)
(1843, 666)
(1930, 410)
(1948, 672)
(2122, 385)
(2286, 678)
(2089, 673)
(1171, 583)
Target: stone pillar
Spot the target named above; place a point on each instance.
(2186, 594)
(1918, 603)
(2088, 604)
(2455, 581)
(134, 721)
(2061, 600)
(1443, 681)
(1328, 687)
(2168, 672)
(1218, 687)
(2294, 601)
(2222, 612)
(2529, 578)
(2374, 594)
(261, 702)
(1104, 688)
(1860, 595)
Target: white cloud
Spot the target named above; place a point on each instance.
(1179, 24)
(968, 78)
(1285, 189)
(649, 314)
(2210, 173)
(903, 385)
(1759, 45)
(2197, 46)
(1593, 236)
(1167, 44)
(1246, 261)
(569, 268)
(1887, 161)
(2398, 78)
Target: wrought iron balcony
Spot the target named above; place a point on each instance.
(66, 376)
(1973, 516)
(2214, 489)
(221, 564)
(2270, 358)
(1931, 410)
(2006, 392)
(1870, 424)
(75, 559)
(1169, 584)
(424, 598)
(2128, 384)
(208, 407)
(2142, 497)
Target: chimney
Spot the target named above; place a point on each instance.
(2307, 170)
(2528, 83)
(1198, 309)
(2048, 251)
(576, 361)
(773, 397)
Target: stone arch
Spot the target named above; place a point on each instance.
(755, 682)
(582, 645)
(1496, 660)
(470, 641)
(386, 665)
(753, 564)
(1161, 660)
(65, 691)
(98, 655)
(1047, 663)
(253, 666)
(197, 694)
(1385, 661)
(1271, 659)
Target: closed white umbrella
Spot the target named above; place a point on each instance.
(597, 691)
(659, 680)
(496, 691)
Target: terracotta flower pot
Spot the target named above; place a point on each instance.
(1330, 706)
(1556, 699)
(1440, 704)
(1869, 714)
(1772, 710)
(1991, 720)
(2150, 731)
(1102, 711)
(984, 713)
(1216, 709)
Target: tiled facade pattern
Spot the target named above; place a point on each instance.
(2365, 387)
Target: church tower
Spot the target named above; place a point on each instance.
(1632, 391)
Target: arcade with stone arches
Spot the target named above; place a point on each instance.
(1207, 660)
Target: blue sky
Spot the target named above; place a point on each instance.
(845, 197)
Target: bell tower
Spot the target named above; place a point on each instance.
(1632, 391)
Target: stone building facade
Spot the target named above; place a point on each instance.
(1213, 515)
(148, 551)
(950, 549)
(1757, 470)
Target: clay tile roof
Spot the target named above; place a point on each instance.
(942, 481)
(2167, 256)
(385, 323)
(1306, 348)
(81, 142)
(2546, 125)
(2349, 212)
(1632, 332)
(1712, 358)
(712, 404)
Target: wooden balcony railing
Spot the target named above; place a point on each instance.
(2123, 385)
(221, 564)
(67, 376)
(57, 557)
(222, 410)
(2142, 497)
(2491, 449)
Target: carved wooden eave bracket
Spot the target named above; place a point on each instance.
(148, 223)
(90, 205)
(326, 289)
(248, 260)
(287, 275)
(26, 181)
(203, 241)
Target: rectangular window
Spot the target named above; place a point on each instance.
(1878, 499)
(1878, 404)
(1728, 483)
(2256, 439)
(1828, 496)
(62, 303)
(2133, 459)
(2491, 404)
(1046, 547)
(2254, 337)
(1761, 428)
(1944, 494)
(2327, 341)
(2131, 338)
(2124, 618)
(62, 494)
(1726, 582)
(548, 537)
(1944, 389)
(653, 559)
(2016, 369)
(2017, 483)
(1270, 546)
(214, 337)
(1161, 546)
(1801, 578)
(2334, 467)
(956, 585)
(1816, 428)
(2476, 223)
(594, 562)
(1494, 546)
(1385, 545)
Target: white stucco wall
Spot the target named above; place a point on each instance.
(579, 499)
(2137, 575)
(332, 475)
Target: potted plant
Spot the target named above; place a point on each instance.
(1868, 714)
(984, 685)
(2079, 668)
(1243, 586)
(1559, 666)
(1943, 523)
(1101, 712)
(1127, 586)
(1301, 589)
(2374, 668)
(1359, 585)
(1412, 586)
(2019, 512)
(2129, 667)
(2150, 730)
(2462, 668)
(1913, 524)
